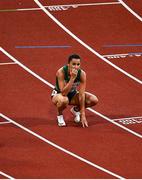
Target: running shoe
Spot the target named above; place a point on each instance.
(61, 121)
(76, 114)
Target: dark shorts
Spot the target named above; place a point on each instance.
(70, 94)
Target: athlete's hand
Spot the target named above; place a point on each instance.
(84, 121)
(73, 73)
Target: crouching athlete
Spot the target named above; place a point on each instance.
(70, 90)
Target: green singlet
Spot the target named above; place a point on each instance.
(67, 78)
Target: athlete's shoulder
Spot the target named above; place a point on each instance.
(82, 72)
(82, 75)
(60, 71)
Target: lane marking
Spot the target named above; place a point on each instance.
(60, 7)
(9, 63)
(61, 148)
(6, 175)
(84, 44)
(26, 68)
(50, 85)
(115, 123)
(33, 47)
(130, 10)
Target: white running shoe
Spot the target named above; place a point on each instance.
(76, 114)
(61, 121)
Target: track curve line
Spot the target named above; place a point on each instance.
(130, 10)
(50, 85)
(84, 44)
(61, 148)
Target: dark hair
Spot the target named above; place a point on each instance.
(73, 56)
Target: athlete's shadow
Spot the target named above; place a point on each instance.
(93, 120)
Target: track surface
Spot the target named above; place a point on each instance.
(36, 41)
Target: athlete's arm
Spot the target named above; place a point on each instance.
(65, 87)
(82, 99)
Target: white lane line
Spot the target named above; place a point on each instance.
(9, 63)
(130, 10)
(50, 85)
(61, 148)
(84, 44)
(61, 6)
(27, 69)
(6, 175)
(117, 124)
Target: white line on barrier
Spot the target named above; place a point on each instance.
(60, 148)
(9, 63)
(110, 55)
(88, 4)
(50, 85)
(84, 44)
(4, 122)
(127, 118)
(122, 55)
(57, 7)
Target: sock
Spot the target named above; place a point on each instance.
(76, 109)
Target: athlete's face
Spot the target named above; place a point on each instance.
(74, 64)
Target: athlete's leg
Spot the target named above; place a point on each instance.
(60, 102)
(90, 100)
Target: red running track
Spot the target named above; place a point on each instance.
(26, 100)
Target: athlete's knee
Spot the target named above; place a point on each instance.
(62, 101)
(92, 101)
